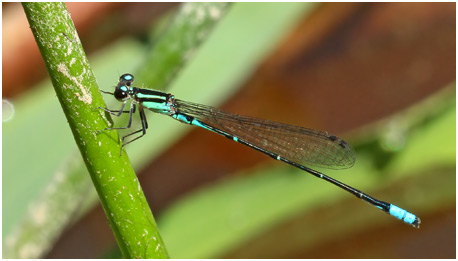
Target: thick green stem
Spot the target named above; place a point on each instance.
(113, 176)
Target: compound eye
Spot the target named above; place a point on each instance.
(121, 93)
(126, 79)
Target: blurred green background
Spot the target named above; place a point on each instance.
(381, 76)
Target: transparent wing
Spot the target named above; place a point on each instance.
(301, 145)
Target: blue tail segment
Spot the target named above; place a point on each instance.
(405, 216)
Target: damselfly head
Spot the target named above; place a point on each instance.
(123, 89)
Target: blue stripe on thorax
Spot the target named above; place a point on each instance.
(155, 101)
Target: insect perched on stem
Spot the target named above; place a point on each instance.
(294, 145)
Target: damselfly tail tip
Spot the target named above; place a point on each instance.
(416, 223)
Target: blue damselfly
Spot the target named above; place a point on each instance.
(294, 145)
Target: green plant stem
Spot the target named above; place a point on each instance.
(113, 176)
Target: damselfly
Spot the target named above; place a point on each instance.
(296, 146)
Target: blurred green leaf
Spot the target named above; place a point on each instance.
(180, 39)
